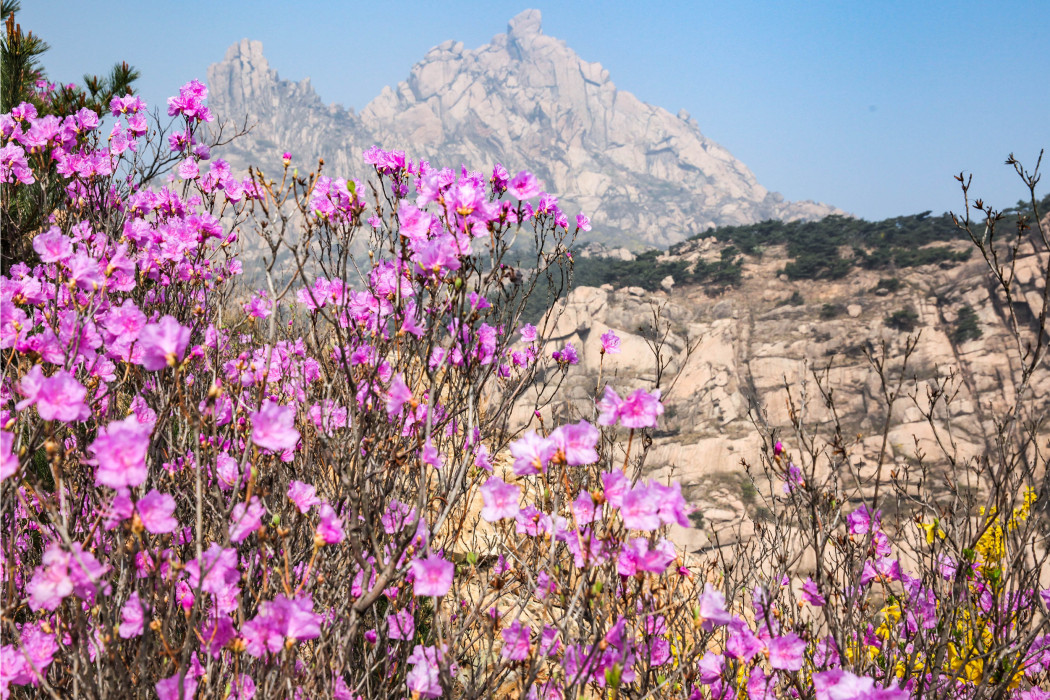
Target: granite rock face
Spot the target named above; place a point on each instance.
(526, 100)
(737, 356)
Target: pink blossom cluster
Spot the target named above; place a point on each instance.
(319, 492)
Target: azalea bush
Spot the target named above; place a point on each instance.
(355, 477)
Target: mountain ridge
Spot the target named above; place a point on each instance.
(527, 100)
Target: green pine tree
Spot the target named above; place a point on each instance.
(24, 210)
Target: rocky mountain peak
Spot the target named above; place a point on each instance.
(525, 25)
(244, 78)
(528, 101)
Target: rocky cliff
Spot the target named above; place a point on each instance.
(737, 355)
(529, 101)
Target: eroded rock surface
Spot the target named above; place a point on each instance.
(748, 348)
(529, 101)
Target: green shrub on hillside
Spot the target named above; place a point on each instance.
(905, 320)
(966, 327)
(815, 247)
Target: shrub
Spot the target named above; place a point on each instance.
(814, 246)
(316, 488)
(830, 311)
(889, 284)
(905, 320)
(966, 327)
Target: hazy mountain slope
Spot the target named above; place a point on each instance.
(526, 100)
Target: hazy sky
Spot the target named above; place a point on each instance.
(869, 105)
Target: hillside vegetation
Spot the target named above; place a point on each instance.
(825, 249)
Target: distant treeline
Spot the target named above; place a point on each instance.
(825, 249)
(831, 247)
(648, 271)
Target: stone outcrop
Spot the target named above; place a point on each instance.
(743, 349)
(526, 100)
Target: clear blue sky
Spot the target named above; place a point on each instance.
(868, 105)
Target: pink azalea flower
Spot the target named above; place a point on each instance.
(433, 575)
(51, 582)
(227, 469)
(482, 459)
(120, 509)
(860, 520)
(8, 460)
(567, 355)
(245, 518)
(220, 570)
(279, 620)
(14, 166)
(713, 611)
(119, 451)
(524, 185)
(155, 510)
(786, 652)
(501, 500)
(437, 255)
(545, 585)
(53, 246)
(177, 687)
(188, 169)
(584, 508)
(609, 407)
(531, 453)
(760, 686)
(218, 632)
(330, 529)
(86, 272)
(401, 625)
(398, 395)
(636, 556)
(132, 617)
(673, 508)
(710, 667)
(549, 643)
(743, 643)
(190, 102)
(430, 455)
(303, 495)
(577, 442)
(516, 641)
(40, 647)
(464, 197)
(423, 679)
(242, 687)
(610, 342)
(259, 306)
(396, 517)
(500, 179)
(793, 478)
(14, 325)
(839, 684)
(163, 343)
(583, 222)
(640, 509)
(640, 409)
(58, 397)
(811, 593)
(616, 486)
(273, 427)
